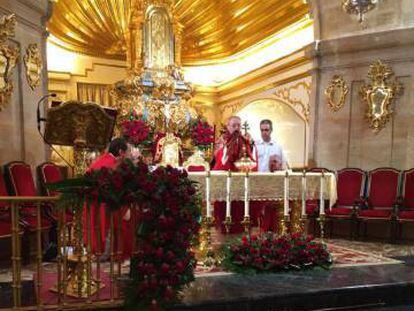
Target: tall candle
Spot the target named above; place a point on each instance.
(228, 187)
(304, 193)
(286, 195)
(321, 199)
(208, 207)
(246, 194)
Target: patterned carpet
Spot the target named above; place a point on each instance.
(345, 253)
(346, 257)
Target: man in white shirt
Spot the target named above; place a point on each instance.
(270, 154)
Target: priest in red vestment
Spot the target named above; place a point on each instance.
(228, 149)
(116, 153)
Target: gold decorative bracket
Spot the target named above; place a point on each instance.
(336, 93)
(380, 94)
(34, 65)
(8, 58)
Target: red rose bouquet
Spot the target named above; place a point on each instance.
(135, 131)
(270, 253)
(202, 134)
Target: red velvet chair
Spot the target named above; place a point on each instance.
(19, 178)
(382, 199)
(49, 172)
(350, 191)
(406, 208)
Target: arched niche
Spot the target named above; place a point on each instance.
(290, 129)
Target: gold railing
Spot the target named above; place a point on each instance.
(56, 297)
(105, 277)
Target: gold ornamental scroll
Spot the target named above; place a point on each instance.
(267, 186)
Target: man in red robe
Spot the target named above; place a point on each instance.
(228, 149)
(116, 153)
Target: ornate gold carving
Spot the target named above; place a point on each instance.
(196, 159)
(336, 93)
(34, 65)
(81, 124)
(380, 94)
(170, 147)
(203, 39)
(8, 58)
(158, 39)
(301, 105)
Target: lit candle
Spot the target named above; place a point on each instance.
(246, 194)
(208, 207)
(228, 186)
(304, 193)
(321, 198)
(286, 195)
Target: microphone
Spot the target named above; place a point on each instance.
(39, 119)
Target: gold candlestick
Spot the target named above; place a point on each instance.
(227, 224)
(322, 220)
(206, 248)
(303, 224)
(246, 224)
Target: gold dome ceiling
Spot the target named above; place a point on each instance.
(213, 29)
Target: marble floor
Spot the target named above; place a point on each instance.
(374, 287)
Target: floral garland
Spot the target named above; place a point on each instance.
(202, 133)
(270, 253)
(168, 210)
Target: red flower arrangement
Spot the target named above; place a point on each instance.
(202, 133)
(269, 253)
(168, 210)
(135, 131)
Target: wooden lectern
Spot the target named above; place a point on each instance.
(83, 126)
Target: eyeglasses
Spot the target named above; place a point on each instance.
(265, 130)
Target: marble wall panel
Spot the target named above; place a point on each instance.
(335, 22)
(19, 139)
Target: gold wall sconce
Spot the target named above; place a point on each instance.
(336, 93)
(380, 94)
(34, 65)
(9, 56)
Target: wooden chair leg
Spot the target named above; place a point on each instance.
(365, 229)
(330, 228)
(26, 247)
(399, 230)
(393, 231)
(352, 229)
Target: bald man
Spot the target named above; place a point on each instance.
(229, 146)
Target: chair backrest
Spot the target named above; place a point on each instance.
(350, 185)
(407, 188)
(48, 173)
(20, 179)
(383, 185)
